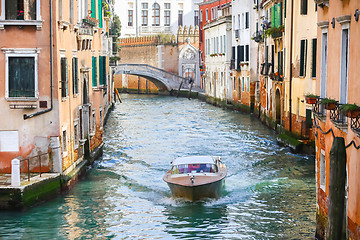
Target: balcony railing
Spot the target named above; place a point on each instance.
(232, 64)
(337, 116)
(319, 108)
(154, 29)
(355, 124)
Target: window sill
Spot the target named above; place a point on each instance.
(37, 23)
(63, 99)
(63, 24)
(22, 99)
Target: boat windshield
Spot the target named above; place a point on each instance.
(194, 168)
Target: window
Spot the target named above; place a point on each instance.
(93, 123)
(75, 76)
(322, 170)
(130, 18)
(21, 75)
(304, 7)
(20, 9)
(64, 78)
(102, 70)
(303, 49)
(323, 81)
(101, 118)
(167, 17)
(241, 53)
(196, 18)
(248, 84)
(60, 10)
(243, 84)
(344, 65)
(207, 15)
(144, 17)
(247, 20)
(246, 53)
(167, 6)
(144, 5)
(76, 134)
(234, 82)
(180, 18)
(94, 71)
(72, 11)
(221, 44)
(156, 14)
(64, 142)
(239, 87)
(201, 17)
(313, 67)
(239, 26)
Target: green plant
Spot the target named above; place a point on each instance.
(311, 95)
(274, 31)
(328, 101)
(349, 107)
(114, 58)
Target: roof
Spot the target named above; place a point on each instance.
(194, 160)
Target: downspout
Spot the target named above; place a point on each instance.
(291, 63)
(51, 69)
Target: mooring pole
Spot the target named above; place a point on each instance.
(337, 179)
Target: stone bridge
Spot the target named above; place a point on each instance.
(161, 78)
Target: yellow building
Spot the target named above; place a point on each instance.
(300, 45)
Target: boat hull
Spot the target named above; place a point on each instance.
(198, 192)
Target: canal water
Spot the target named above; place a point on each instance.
(269, 192)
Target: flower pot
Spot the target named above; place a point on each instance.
(310, 100)
(352, 113)
(330, 106)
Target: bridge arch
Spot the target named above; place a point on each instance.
(161, 78)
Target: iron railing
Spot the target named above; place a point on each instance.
(27, 167)
(337, 116)
(318, 108)
(355, 124)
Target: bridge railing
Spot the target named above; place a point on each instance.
(151, 70)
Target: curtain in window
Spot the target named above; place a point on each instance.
(21, 77)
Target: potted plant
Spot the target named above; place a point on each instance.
(329, 103)
(311, 98)
(350, 110)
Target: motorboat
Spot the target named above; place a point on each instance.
(196, 177)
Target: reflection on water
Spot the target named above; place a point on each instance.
(269, 192)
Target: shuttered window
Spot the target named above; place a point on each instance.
(276, 15)
(241, 54)
(313, 67)
(94, 71)
(64, 78)
(303, 49)
(75, 76)
(304, 7)
(102, 70)
(246, 53)
(93, 8)
(21, 76)
(100, 13)
(247, 20)
(238, 58)
(272, 16)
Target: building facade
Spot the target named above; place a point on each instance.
(218, 84)
(244, 53)
(55, 84)
(142, 18)
(336, 77)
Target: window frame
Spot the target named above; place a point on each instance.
(156, 14)
(22, 53)
(167, 16)
(144, 18)
(130, 18)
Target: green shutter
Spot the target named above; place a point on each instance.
(272, 17)
(93, 8)
(314, 45)
(101, 71)
(100, 13)
(281, 13)
(302, 58)
(276, 12)
(94, 72)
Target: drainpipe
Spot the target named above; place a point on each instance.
(291, 63)
(51, 69)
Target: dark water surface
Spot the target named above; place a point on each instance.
(270, 192)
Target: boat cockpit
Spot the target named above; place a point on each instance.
(194, 168)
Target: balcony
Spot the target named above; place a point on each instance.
(258, 36)
(154, 29)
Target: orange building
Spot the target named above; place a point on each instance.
(55, 85)
(337, 78)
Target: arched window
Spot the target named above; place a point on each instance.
(156, 14)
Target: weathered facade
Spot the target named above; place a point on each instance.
(218, 84)
(336, 78)
(56, 84)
